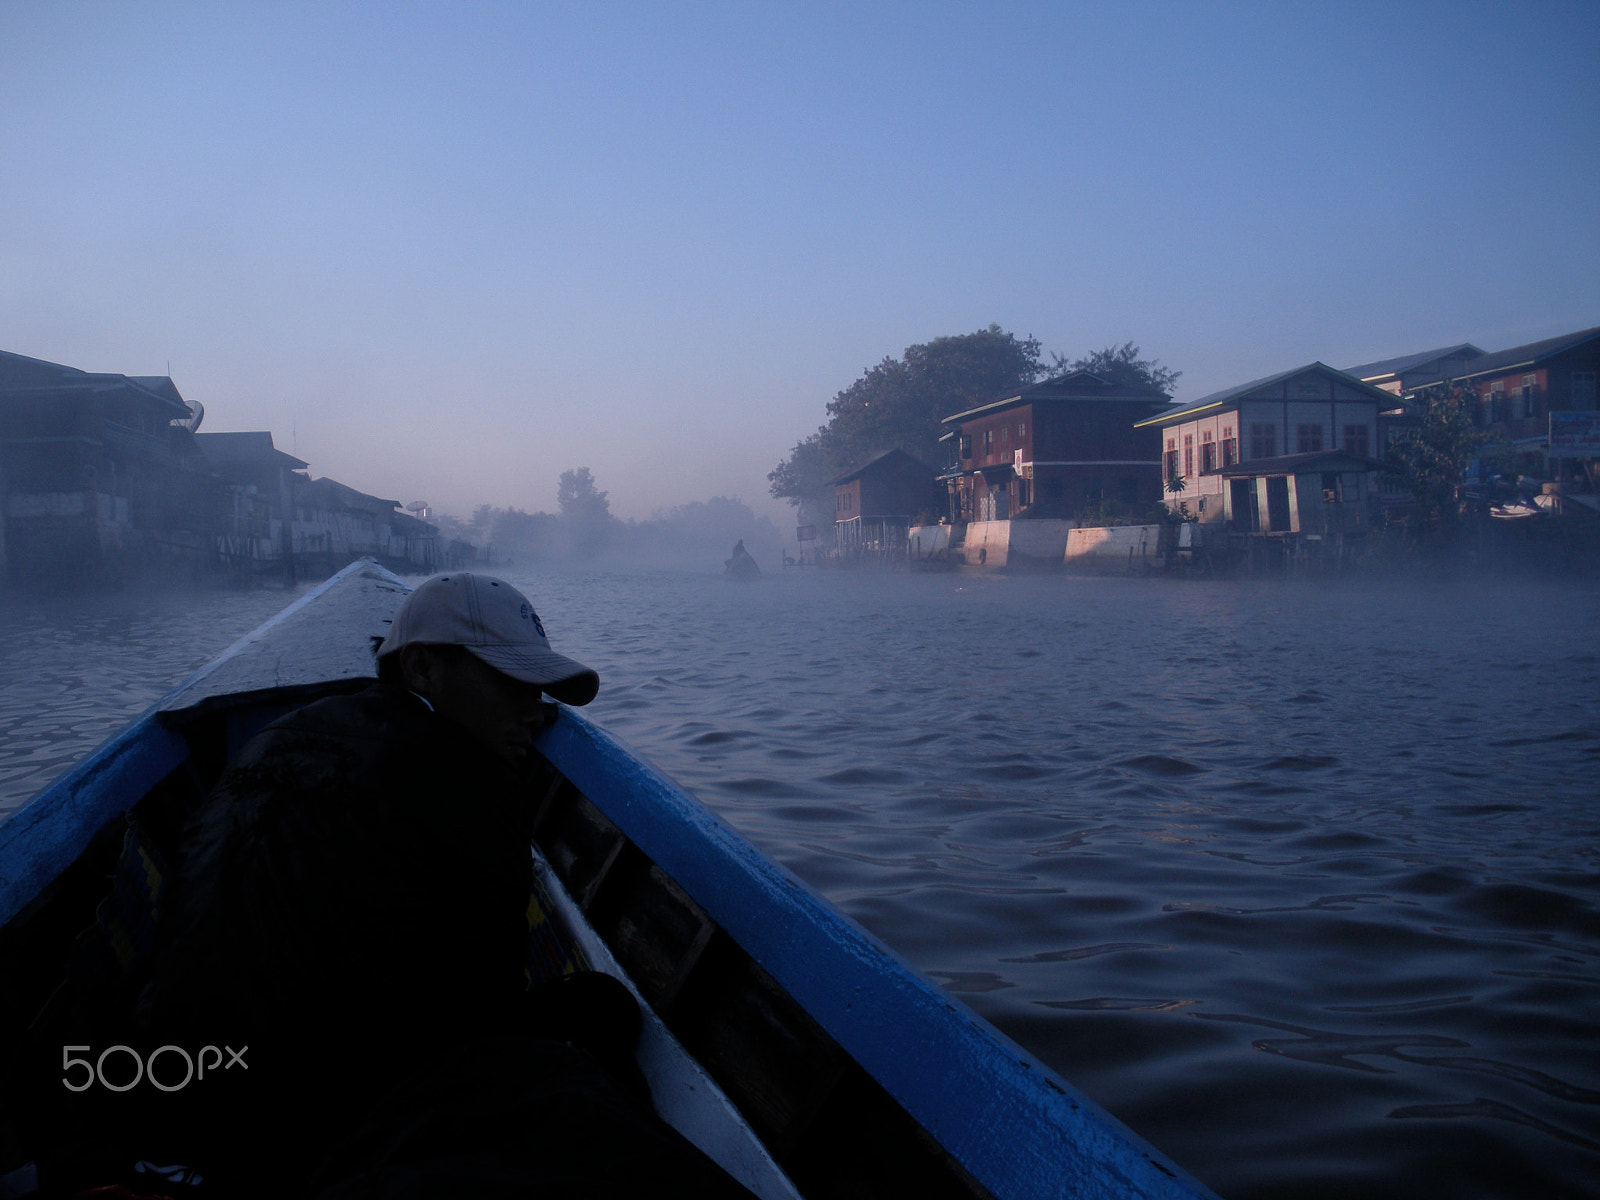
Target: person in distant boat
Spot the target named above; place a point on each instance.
(741, 565)
(354, 905)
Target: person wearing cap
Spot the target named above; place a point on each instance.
(474, 650)
(353, 905)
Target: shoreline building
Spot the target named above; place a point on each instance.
(1291, 456)
(876, 505)
(1053, 450)
(1023, 470)
(105, 478)
(1538, 400)
(1528, 394)
(100, 476)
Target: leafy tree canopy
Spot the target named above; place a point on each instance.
(1121, 365)
(580, 501)
(900, 403)
(1430, 459)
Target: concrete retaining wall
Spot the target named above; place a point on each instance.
(1015, 543)
(1116, 547)
(927, 541)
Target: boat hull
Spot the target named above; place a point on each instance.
(828, 1063)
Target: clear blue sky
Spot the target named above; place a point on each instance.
(446, 251)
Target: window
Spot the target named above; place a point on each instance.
(1355, 440)
(1582, 389)
(1528, 384)
(1308, 439)
(1172, 458)
(1188, 455)
(1208, 452)
(1497, 401)
(988, 441)
(1263, 441)
(966, 445)
(1005, 433)
(1230, 447)
(1022, 430)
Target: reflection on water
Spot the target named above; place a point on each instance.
(1301, 882)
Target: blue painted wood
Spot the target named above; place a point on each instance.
(42, 839)
(1016, 1126)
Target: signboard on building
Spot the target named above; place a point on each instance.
(806, 533)
(1575, 434)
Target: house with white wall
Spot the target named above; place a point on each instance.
(1291, 453)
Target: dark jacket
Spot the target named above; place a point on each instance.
(351, 902)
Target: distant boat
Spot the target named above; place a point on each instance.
(783, 1039)
(741, 566)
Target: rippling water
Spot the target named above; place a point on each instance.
(75, 669)
(1300, 881)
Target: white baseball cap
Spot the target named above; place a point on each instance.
(496, 623)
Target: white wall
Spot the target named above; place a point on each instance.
(991, 543)
(1116, 547)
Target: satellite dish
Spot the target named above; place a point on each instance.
(420, 507)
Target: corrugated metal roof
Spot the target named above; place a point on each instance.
(876, 459)
(1227, 395)
(249, 447)
(1395, 366)
(21, 374)
(333, 492)
(1530, 354)
(1076, 385)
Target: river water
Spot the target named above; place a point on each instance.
(1301, 881)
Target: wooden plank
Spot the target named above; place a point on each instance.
(776, 1063)
(41, 839)
(655, 930)
(581, 844)
(685, 1095)
(323, 637)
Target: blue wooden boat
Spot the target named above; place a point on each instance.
(787, 1042)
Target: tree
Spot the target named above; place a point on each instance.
(802, 477)
(585, 512)
(519, 534)
(581, 502)
(1429, 459)
(702, 532)
(1121, 365)
(899, 404)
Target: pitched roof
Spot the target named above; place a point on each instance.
(338, 495)
(1527, 355)
(1228, 395)
(1397, 366)
(879, 458)
(1075, 385)
(251, 448)
(21, 374)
